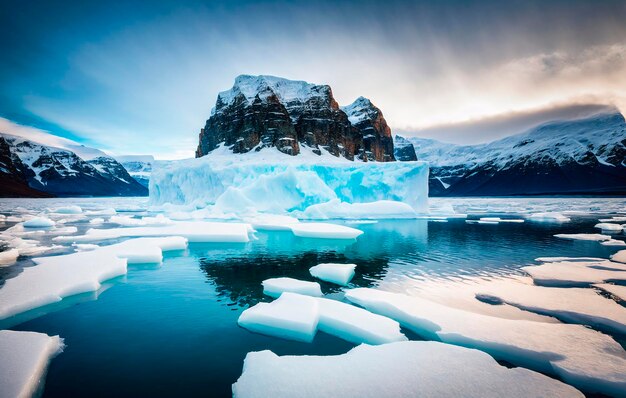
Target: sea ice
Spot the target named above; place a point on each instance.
(616, 290)
(356, 325)
(24, 357)
(620, 256)
(336, 209)
(613, 219)
(592, 237)
(548, 217)
(9, 256)
(194, 231)
(340, 274)
(39, 222)
(67, 210)
(401, 369)
(325, 231)
(609, 227)
(128, 221)
(613, 242)
(272, 222)
(502, 220)
(103, 212)
(56, 277)
(96, 221)
(291, 316)
(274, 287)
(582, 357)
(575, 273)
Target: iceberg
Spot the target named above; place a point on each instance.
(401, 369)
(25, 357)
(272, 182)
(274, 287)
(340, 274)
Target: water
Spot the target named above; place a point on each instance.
(171, 330)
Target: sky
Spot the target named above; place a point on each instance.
(140, 77)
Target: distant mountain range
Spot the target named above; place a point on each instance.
(32, 169)
(584, 156)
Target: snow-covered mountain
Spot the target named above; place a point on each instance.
(561, 157)
(28, 168)
(271, 112)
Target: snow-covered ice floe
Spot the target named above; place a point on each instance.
(613, 242)
(501, 220)
(9, 256)
(573, 305)
(402, 369)
(194, 231)
(591, 237)
(271, 222)
(128, 221)
(548, 217)
(609, 227)
(24, 357)
(67, 210)
(236, 183)
(298, 317)
(340, 274)
(325, 231)
(582, 357)
(57, 277)
(274, 287)
(335, 209)
(39, 222)
(576, 273)
(618, 291)
(620, 256)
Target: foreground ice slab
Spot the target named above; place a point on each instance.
(356, 325)
(620, 256)
(24, 357)
(340, 274)
(403, 369)
(573, 305)
(325, 231)
(576, 273)
(56, 277)
(274, 287)
(383, 209)
(194, 231)
(259, 181)
(291, 316)
(616, 290)
(582, 357)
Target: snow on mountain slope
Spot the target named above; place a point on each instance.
(140, 167)
(578, 156)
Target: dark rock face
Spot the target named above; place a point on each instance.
(369, 121)
(404, 151)
(14, 175)
(59, 172)
(266, 111)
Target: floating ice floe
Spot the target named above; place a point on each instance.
(84, 246)
(548, 217)
(194, 231)
(24, 357)
(582, 357)
(96, 221)
(620, 256)
(573, 305)
(340, 274)
(57, 277)
(501, 220)
(576, 273)
(591, 237)
(39, 222)
(482, 222)
(402, 369)
(336, 209)
(272, 222)
(356, 325)
(274, 287)
(127, 221)
(67, 210)
(609, 227)
(325, 231)
(617, 290)
(103, 212)
(613, 219)
(291, 316)
(613, 242)
(573, 259)
(9, 257)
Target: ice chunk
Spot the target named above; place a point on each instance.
(293, 183)
(67, 210)
(613, 219)
(559, 259)
(8, 257)
(272, 222)
(592, 237)
(24, 357)
(194, 231)
(39, 222)
(548, 217)
(575, 273)
(620, 256)
(291, 316)
(128, 221)
(103, 212)
(582, 357)
(56, 277)
(356, 325)
(96, 221)
(325, 231)
(341, 274)
(85, 246)
(616, 290)
(501, 220)
(402, 369)
(613, 242)
(574, 305)
(335, 209)
(274, 287)
(609, 227)
(482, 222)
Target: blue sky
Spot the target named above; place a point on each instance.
(141, 77)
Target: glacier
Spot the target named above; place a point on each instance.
(269, 181)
